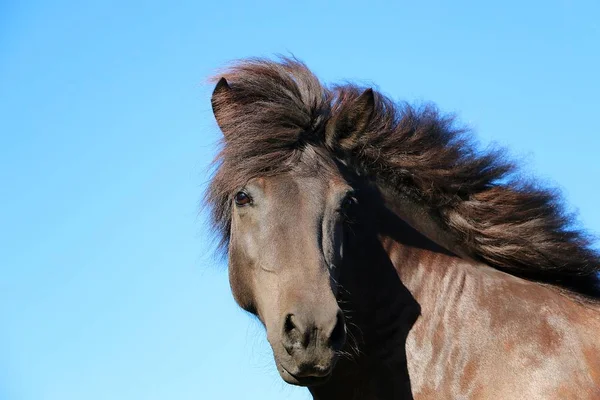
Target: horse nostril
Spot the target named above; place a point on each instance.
(298, 335)
(291, 334)
(288, 325)
(338, 334)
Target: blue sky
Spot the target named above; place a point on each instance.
(109, 288)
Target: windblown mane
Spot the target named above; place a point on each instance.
(275, 108)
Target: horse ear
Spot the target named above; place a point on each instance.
(219, 97)
(344, 129)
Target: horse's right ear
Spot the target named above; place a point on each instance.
(219, 99)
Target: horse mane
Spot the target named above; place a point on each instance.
(275, 108)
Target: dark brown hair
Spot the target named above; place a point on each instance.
(273, 109)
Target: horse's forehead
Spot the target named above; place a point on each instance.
(292, 185)
(302, 191)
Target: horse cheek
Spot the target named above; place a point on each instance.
(239, 281)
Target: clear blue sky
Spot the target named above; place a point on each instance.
(108, 286)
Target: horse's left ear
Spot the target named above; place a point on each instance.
(219, 99)
(344, 129)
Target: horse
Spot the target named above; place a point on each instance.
(387, 256)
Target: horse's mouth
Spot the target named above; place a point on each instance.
(308, 380)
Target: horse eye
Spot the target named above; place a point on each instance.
(242, 199)
(348, 203)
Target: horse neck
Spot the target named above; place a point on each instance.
(426, 319)
(388, 287)
(381, 309)
(478, 325)
(447, 290)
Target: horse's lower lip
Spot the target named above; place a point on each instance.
(305, 380)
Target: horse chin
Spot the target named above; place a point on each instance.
(306, 380)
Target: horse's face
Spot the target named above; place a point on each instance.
(286, 248)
